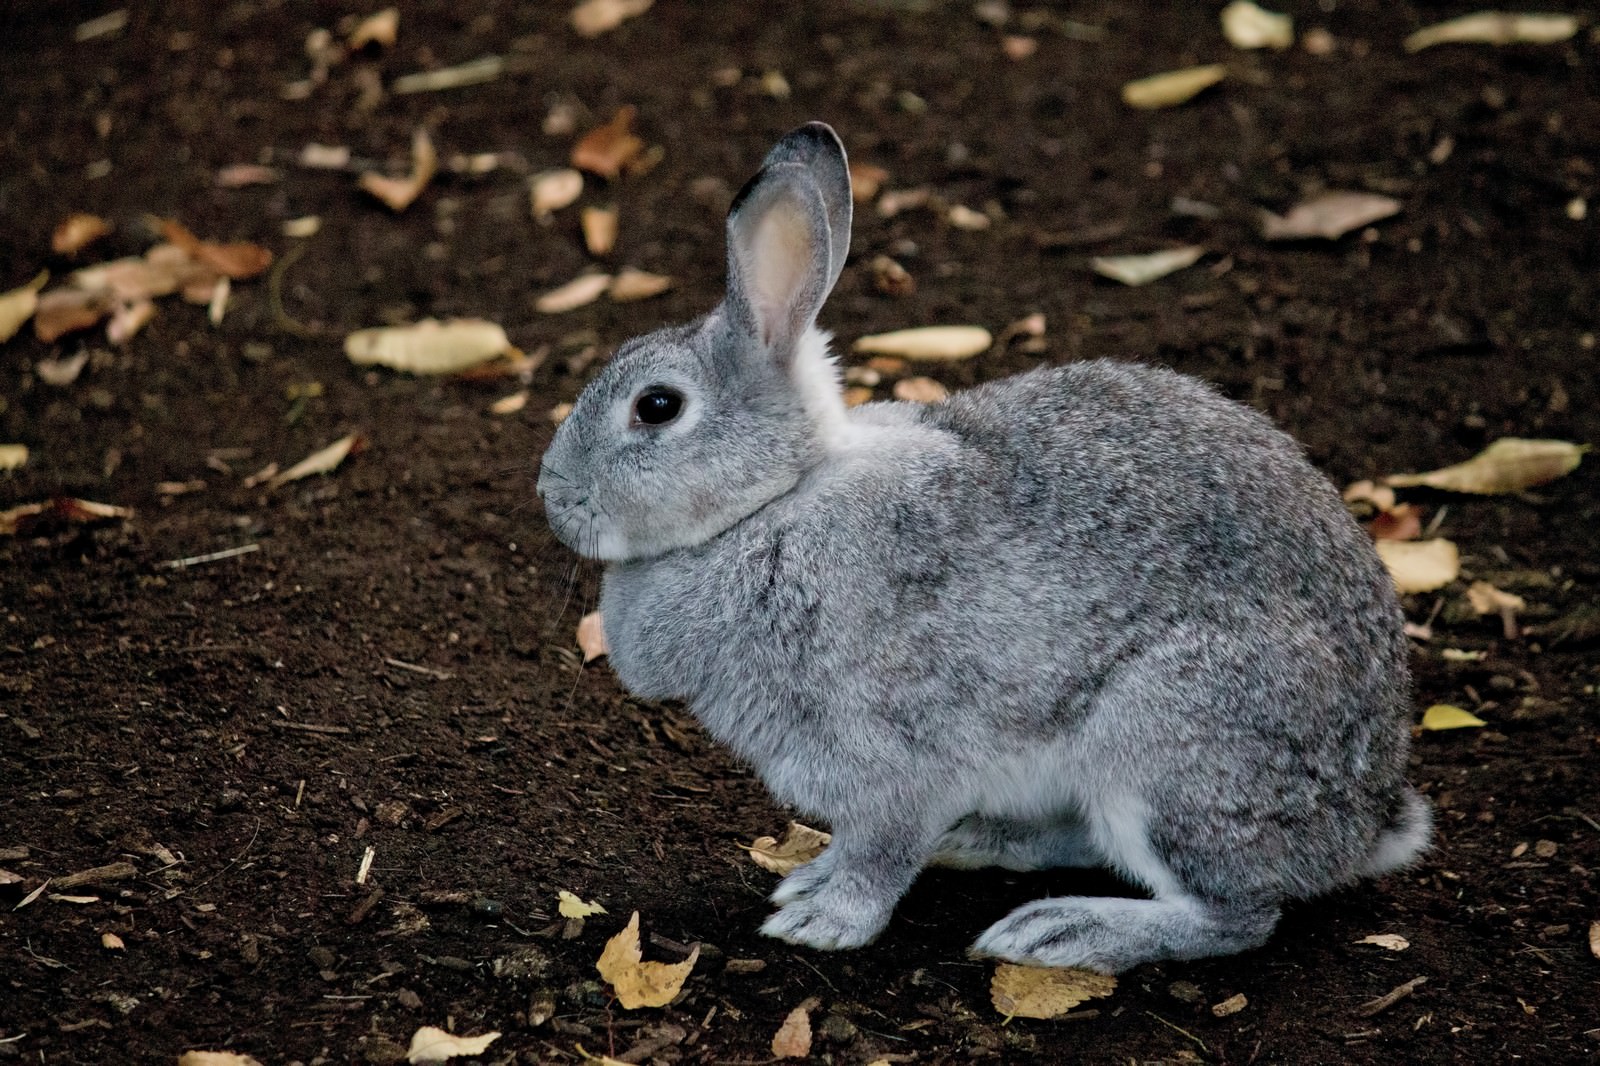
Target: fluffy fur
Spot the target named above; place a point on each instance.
(1091, 615)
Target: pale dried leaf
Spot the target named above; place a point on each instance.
(634, 284)
(474, 72)
(582, 290)
(1380, 497)
(793, 1038)
(18, 305)
(1594, 939)
(554, 189)
(1247, 26)
(510, 404)
(637, 983)
(1232, 1005)
(591, 18)
(59, 373)
(1445, 716)
(606, 150)
(1403, 521)
(381, 29)
(216, 1058)
(77, 231)
(304, 226)
(1495, 27)
(111, 942)
(963, 217)
(63, 311)
(325, 156)
(856, 395)
(1172, 87)
(238, 260)
(1329, 215)
(866, 179)
(920, 390)
(13, 456)
(1387, 941)
(128, 319)
(1510, 464)
(243, 175)
(1420, 565)
(800, 844)
(592, 636)
(1486, 599)
(1143, 269)
(892, 279)
(599, 229)
(430, 1044)
(1462, 655)
(429, 346)
(219, 300)
(895, 201)
(1036, 992)
(571, 906)
(928, 343)
(1018, 47)
(322, 461)
(399, 193)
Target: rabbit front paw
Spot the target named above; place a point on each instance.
(804, 881)
(827, 922)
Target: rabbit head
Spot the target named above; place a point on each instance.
(690, 429)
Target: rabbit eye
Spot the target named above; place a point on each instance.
(658, 406)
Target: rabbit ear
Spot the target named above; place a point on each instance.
(783, 255)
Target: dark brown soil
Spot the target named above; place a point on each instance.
(241, 731)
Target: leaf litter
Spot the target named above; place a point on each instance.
(591, 632)
(1495, 27)
(591, 18)
(1143, 269)
(19, 304)
(1510, 464)
(1420, 565)
(1246, 25)
(1041, 992)
(1173, 87)
(793, 1038)
(800, 844)
(432, 1044)
(322, 461)
(78, 231)
(400, 193)
(609, 149)
(1442, 716)
(638, 983)
(572, 906)
(928, 343)
(1329, 215)
(429, 346)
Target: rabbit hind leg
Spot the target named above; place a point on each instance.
(980, 840)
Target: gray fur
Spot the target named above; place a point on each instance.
(1095, 614)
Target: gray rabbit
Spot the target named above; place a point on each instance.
(1093, 615)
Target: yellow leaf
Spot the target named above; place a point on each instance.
(573, 295)
(1036, 992)
(1510, 464)
(431, 1044)
(17, 306)
(13, 456)
(931, 343)
(111, 942)
(572, 906)
(429, 346)
(1172, 87)
(1387, 941)
(322, 461)
(632, 283)
(799, 846)
(641, 984)
(554, 189)
(1444, 716)
(1495, 27)
(1247, 26)
(1143, 269)
(591, 18)
(592, 636)
(1420, 565)
(793, 1038)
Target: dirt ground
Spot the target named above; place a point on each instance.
(392, 665)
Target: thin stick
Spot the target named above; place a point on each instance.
(1377, 1006)
(426, 671)
(211, 557)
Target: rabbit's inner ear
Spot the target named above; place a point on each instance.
(780, 265)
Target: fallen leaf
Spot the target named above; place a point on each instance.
(1172, 87)
(571, 906)
(793, 1038)
(239, 260)
(1403, 521)
(17, 306)
(606, 150)
(1462, 655)
(399, 193)
(429, 346)
(1018, 47)
(111, 942)
(1387, 941)
(325, 156)
(129, 317)
(1495, 27)
(1486, 599)
(1232, 1005)
(473, 72)
(591, 634)
(24, 516)
(634, 284)
(1143, 269)
(554, 189)
(1444, 716)
(1037, 992)
(892, 279)
(800, 844)
(866, 179)
(243, 175)
(510, 404)
(920, 390)
(322, 461)
(1329, 215)
(1594, 939)
(558, 414)
(430, 1044)
(599, 229)
(1247, 26)
(77, 231)
(591, 18)
(13, 456)
(1510, 464)
(304, 226)
(161, 271)
(641, 984)
(63, 311)
(59, 373)
(928, 343)
(582, 290)
(895, 201)
(381, 29)
(216, 1058)
(1420, 565)
(962, 217)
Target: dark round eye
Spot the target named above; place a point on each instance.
(658, 406)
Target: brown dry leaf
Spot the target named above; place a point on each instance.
(399, 193)
(592, 635)
(928, 343)
(1386, 941)
(162, 271)
(216, 1058)
(431, 1044)
(572, 906)
(128, 319)
(892, 279)
(1247, 26)
(111, 942)
(633, 284)
(243, 175)
(585, 289)
(1420, 565)
(554, 189)
(322, 461)
(1486, 599)
(13, 456)
(1036, 992)
(1403, 521)
(866, 179)
(381, 29)
(77, 231)
(599, 229)
(1018, 47)
(920, 390)
(1143, 269)
(1232, 1005)
(606, 150)
(1172, 87)
(1443, 716)
(429, 346)
(800, 844)
(591, 18)
(63, 311)
(793, 1038)
(1510, 464)
(637, 983)
(238, 260)
(18, 305)
(1329, 215)
(1495, 27)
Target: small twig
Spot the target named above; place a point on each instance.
(210, 557)
(1201, 1044)
(1377, 1006)
(275, 294)
(312, 727)
(235, 860)
(117, 871)
(426, 671)
(366, 865)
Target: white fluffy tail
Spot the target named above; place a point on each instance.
(1404, 840)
